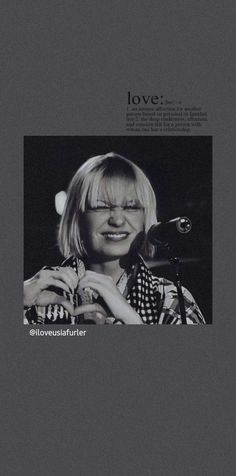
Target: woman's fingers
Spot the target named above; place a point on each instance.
(97, 277)
(110, 320)
(87, 283)
(59, 284)
(99, 318)
(84, 308)
(72, 276)
(60, 277)
(65, 275)
(104, 282)
(46, 298)
(96, 312)
(106, 289)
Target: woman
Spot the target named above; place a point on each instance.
(109, 209)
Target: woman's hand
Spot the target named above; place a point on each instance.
(106, 288)
(36, 288)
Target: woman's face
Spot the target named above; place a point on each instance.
(109, 229)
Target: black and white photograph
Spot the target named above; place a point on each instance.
(118, 230)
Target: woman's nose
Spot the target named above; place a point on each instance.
(117, 217)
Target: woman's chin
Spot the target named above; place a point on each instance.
(109, 254)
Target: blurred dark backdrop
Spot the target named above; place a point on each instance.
(180, 170)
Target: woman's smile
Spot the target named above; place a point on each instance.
(115, 235)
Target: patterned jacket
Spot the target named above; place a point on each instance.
(155, 299)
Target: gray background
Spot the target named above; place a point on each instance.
(130, 400)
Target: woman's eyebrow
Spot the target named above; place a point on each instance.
(123, 202)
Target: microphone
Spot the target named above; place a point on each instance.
(162, 231)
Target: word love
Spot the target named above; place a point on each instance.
(143, 100)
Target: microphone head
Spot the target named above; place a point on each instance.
(163, 232)
(184, 225)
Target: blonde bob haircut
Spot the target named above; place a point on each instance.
(112, 174)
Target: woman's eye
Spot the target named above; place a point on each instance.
(101, 207)
(98, 208)
(132, 207)
(105, 207)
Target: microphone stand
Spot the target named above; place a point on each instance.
(175, 263)
(183, 225)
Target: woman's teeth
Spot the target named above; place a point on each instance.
(115, 236)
